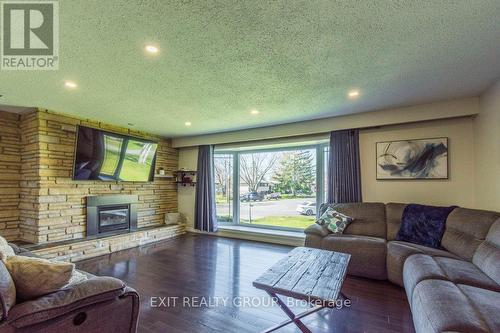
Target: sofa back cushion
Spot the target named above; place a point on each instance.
(369, 218)
(487, 255)
(466, 229)
(7, 291)
(394, 214)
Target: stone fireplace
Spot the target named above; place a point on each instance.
(41, 203)
(108, 214)
(46, 210)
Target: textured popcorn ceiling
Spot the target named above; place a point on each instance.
(291, 60)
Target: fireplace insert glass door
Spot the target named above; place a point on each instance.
(113, 218)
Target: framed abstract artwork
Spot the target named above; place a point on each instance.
(413, 159)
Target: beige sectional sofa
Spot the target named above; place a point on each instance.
(453, 289)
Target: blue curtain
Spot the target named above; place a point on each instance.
(344, 172)
(205, 216)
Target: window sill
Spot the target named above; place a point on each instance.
(275, 232)
(284, 237)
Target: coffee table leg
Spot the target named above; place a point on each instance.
(344, 297)
(293, 318)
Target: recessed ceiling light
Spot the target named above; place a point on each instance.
(254, 111)
(353, 93)
(187, 123)
(152, 49)
(70, 84)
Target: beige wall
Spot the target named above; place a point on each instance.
(188, 159)
(474, 155)
(457, 190)
(487, 150)
(433, 111)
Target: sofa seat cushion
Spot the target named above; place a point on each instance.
(398, 252)
(420, 267)
(442, 306)
(367, 254)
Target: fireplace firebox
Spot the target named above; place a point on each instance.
(111, 213)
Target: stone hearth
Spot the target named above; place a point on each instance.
(90, 247)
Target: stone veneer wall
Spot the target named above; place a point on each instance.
(52, 206)
(10, 174)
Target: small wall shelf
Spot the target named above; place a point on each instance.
(164, 176)
(185, 177)
(187, 183)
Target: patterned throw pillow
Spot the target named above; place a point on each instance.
(34, 277)
(334, 221)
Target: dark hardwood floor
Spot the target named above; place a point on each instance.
(216, 269)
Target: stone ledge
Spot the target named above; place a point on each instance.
(89, 248)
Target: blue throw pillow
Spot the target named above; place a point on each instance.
(423, 225)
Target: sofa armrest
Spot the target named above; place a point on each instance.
(316, 229)
(59, 303)
(20, 251)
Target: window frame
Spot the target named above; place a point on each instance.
(320, 177)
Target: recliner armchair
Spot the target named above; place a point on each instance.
(98, 304)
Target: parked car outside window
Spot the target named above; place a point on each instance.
(273, 196)
(252, 196)
(307, 208)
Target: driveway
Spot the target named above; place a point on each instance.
(282, 207)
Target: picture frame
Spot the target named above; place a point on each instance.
(412, 159)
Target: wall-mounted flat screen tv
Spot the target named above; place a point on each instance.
(107, 156)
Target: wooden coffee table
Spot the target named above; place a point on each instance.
(306, 274)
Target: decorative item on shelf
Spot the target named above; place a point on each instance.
(162, 174)
(185, 177)
(173, 218)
